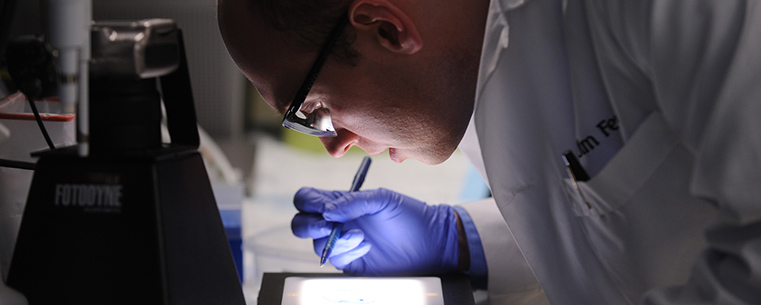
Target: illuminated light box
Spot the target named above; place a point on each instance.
(363, 290)
(336, 288)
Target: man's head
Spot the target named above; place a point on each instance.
(401, 76)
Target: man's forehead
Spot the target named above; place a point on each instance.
(262, 53)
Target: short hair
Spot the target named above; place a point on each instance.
(310, 22)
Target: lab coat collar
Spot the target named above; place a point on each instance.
(495, 40)
(511, 4)
(496, 36)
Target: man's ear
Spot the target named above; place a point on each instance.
(390, 26)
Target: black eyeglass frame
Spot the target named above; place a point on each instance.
(291, 120)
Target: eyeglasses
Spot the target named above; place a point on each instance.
(315, 120)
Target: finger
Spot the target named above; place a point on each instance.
(319, 245)
(311, 200)
(341, 261)
(348, 241)
(305, 225)
(357, 204)
(350, 246)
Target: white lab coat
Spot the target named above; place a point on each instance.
(672, 213)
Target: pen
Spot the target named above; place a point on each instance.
(574, 167)
(335, 233)
(577, 173)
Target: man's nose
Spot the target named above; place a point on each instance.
(338, 146)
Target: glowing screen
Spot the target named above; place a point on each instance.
(361, 291)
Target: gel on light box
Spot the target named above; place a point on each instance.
(360, 291)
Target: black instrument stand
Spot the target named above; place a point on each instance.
(136, 229)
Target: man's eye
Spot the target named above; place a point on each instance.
(312, 106)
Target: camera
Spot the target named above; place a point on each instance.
(125, 105)
(128, 49)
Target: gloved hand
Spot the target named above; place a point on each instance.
(384, 232)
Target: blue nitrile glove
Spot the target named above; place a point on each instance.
(384, 232)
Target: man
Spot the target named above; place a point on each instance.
(658, 100)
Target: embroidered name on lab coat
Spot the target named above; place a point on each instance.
(605, 127)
